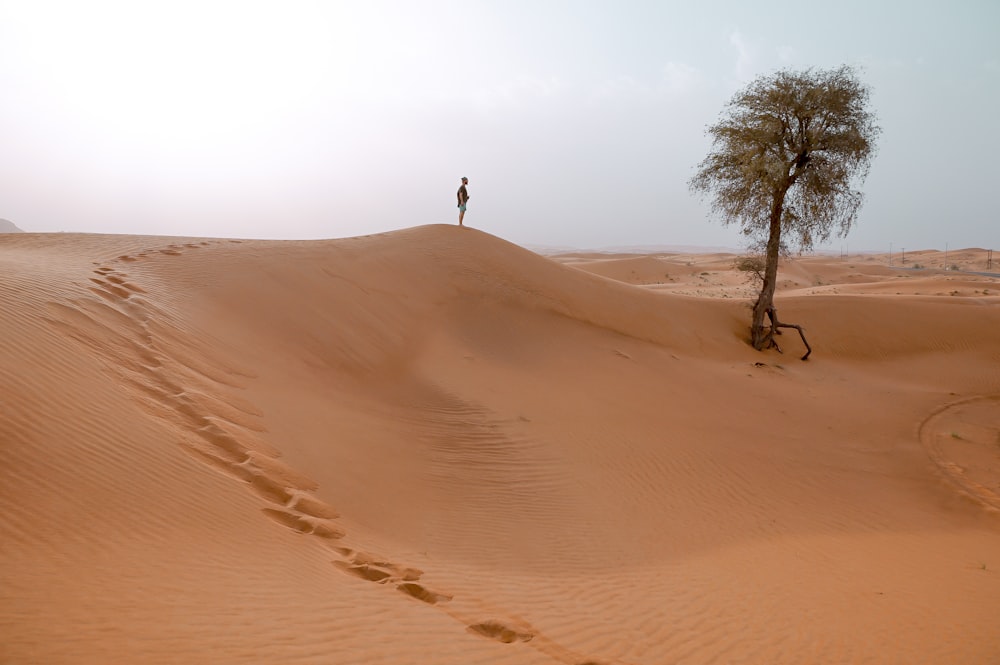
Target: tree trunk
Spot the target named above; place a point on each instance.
(760, 336)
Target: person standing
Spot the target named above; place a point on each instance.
(463, 199)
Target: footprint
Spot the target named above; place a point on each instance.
(272, 467)
(222, 440)
(364, 571)
(116, 290)
(132, 287)
(320, 529)
(270, 489)
(226, 466)
(399, 573)
(107, 295)
(116, 278)
(423, 594)
(410, 574)
(292, 521)
(310, 505)
(327, 530)
(364, 558)
(496, 630)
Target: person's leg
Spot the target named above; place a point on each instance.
(461, 215)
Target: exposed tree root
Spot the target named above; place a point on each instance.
(772, 314)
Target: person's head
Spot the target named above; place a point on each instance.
(465, 181)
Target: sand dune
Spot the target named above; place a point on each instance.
(432, 445)
(7, 226)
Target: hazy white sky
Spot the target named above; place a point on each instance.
(577, 123)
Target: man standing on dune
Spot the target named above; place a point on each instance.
(463, 198)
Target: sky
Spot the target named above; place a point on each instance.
(578, 123)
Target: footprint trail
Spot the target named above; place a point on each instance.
(194, 390)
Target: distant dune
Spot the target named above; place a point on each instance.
(548, 250)
(434, 446)
(7, 226)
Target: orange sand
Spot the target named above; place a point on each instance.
(433, 446)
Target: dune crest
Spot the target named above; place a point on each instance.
(432, 441)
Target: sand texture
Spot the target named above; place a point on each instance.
(434, 446)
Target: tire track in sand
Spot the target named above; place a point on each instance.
(963, 439)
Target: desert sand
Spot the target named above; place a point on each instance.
(434, 446)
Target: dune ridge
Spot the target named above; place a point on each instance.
(435, 442)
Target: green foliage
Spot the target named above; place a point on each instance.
(795, 144)
(752, 265)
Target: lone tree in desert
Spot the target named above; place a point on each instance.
(788, 156)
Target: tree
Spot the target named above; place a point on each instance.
(788, 157)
